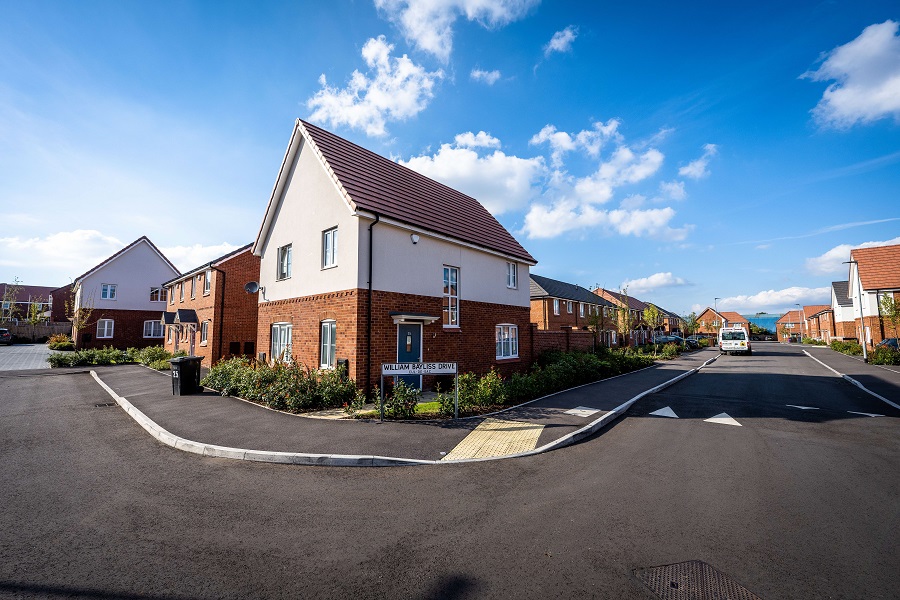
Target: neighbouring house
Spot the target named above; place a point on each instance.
(16, 301)
(556, 304)
(638, 332)
(712, 320)
(842, 311)
(209, 314)
(62, 300)
(391, 266)
(818, 322)
(670, 323)
(119, 301)
(874, 274)
(789, 327)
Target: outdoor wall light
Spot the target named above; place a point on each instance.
(414, 238)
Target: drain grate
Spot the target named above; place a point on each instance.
(692, 580)
(105, 404)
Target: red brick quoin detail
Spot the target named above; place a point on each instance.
(472, 345)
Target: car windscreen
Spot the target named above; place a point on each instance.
(733, 336)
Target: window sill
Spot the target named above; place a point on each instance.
(203, 344)
(329, 267)
(206, 293)
(277, 279)
(451, 327)
(507, 358)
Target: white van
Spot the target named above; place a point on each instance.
(734, 339)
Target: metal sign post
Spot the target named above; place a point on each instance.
(432, 368)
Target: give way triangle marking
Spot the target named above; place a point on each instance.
(802, 407)
(723, 419)
(665, 412)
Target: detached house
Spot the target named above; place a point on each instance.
(208, 312)
(842, 311)
(556, 304)
(119, 301)
(712, 320)
(874, 275)
(790, 326)
(364, 262)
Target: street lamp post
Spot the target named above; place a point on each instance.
(802, 319)
(862, 316)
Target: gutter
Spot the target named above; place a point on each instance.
(369, 308)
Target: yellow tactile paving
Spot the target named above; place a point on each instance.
(495, 437)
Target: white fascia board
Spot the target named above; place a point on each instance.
(122, 253)
(445, 238)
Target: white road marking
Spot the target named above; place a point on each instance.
(665, 412)
(853, 412)
(803, 407)
(582, 411)
(723, 419)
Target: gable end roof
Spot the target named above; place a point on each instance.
(143, 238)
(879, 267)
(842, 292)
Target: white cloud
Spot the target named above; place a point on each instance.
(394, 89)
(653, 282)
(488, 77)
(561, 41)
(476, 140)
(567, 215)
(499, 181)
(590, 140)
(866, 75)
(624, 167)
(673, 189)
(193, 256)
(777, 300)
(831, 262)
(428, 24)
(696, 169)
(66, 254)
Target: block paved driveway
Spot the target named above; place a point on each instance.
(24, 356)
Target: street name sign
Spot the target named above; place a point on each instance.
(429, 368)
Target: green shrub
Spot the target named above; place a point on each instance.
(401, 402)
(67, 359)
(66, 346)
(813, 342)
(161, 365)
(847, 347)
(704, 342)
(883, 355)
(670, 351)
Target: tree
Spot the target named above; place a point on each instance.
(691, 323)
(626, 319)
(8, 309)
(890, 310)
(35, 314)
(652, 317)
(79, 315)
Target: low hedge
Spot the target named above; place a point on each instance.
(849, 347)
(882, 355)
(153, 357)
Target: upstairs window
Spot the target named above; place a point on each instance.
(451, 296)
(193, 288)
(581, 309)
(206, 281)
(512, 275)
(569, 306)
(171, 296)
(181, 292)
(108, 292)
(556, 306)
(329, 248)
(157, 294)
(284, 262)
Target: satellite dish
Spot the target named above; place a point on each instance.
(251, 287)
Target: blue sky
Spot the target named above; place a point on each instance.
(688, 152)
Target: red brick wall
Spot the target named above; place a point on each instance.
(542, 314)
(845, 329)
(128, 331)
(472, 345)
(60, 296)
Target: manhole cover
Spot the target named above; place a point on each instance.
(692, 580)
(105, 404)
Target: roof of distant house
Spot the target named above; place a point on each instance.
(879, 268)
(214, 262)
(619, 299)
(842, 292)
(28, 293)
(142, 239)
(544, 287)
(791, 316)
(733, 317)
(815, 309)
(374, 184)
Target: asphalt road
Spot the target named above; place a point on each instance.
(794, 503)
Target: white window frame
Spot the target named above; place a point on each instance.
(281, 345)
(204, 333)
(108, 329)
(556, 306)
(170, 334)
(512, 275)
(153, 333)
(193, 288)
(450, 310)
(507, 341)
(569, 306)
(160, 294)
(181, 292)
(283, 265)
(108, 291)
(581, 309)
(171, 296)
(329, 248)
(206, 282)
(328, 344)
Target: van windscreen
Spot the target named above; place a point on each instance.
(733, 336)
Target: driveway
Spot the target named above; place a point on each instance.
(24, 356)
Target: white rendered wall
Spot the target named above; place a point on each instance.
(310, 204)
(133, 273)
(404, 267)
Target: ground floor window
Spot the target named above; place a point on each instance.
(105, 328)
(169, 334)
(507, 341)
(153, 329)
(281, 341)
(204, 332)
(328, 339)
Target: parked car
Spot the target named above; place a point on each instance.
(666, 339)
(5, 337)
(889, 343)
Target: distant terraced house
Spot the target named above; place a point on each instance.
(364, 262)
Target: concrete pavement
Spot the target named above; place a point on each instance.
(212, 425)
(24, 357)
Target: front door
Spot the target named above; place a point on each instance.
(409, 349)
